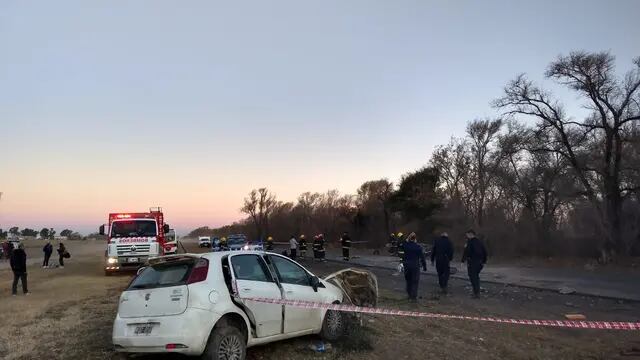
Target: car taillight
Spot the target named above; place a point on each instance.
(199, 272)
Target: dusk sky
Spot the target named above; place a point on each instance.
(122, 105)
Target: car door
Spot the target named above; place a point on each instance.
(254, 280)
(296, 284)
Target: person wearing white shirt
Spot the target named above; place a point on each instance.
(293, 247)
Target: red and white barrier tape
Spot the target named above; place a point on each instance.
(604, 325)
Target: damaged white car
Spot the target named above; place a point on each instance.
(195, 304)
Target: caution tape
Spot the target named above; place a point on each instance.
(603, 325)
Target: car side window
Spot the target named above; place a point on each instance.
(250, 267)
(289, 272)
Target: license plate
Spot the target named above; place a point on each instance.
(143, 329)
(133, 260)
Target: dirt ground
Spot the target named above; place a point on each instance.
(70, 312)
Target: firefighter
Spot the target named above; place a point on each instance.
(394, 244)
(316, 247)
(442, 254)
(303, 246)
(270, 243)
(400, 250)
(475, 255)
(412, 261)
(223, 244)
(322, 248)
(346, 245)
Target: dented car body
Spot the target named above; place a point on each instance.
(197, 304)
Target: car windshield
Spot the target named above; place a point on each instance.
(132, 228)
(236, 241)
(162, 275)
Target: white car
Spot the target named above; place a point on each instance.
(204, 241)
(171, 248)
(195, 304)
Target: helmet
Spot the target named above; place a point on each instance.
(302, 236)
(400, 234)
(392, 234)
(270, 238)
(224, 238)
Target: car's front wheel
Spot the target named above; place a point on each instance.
(334, 325)
(226, 343)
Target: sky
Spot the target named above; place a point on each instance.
(121, 105)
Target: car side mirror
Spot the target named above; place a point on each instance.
(140, 270)
(166, 229)
(315, 283)
(101, 230)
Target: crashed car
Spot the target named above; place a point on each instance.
(199, 304)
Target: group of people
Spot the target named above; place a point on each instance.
(18, 262)
(413, 259)
(299, 246)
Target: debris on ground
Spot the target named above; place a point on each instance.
(360, 287)
(575, 317)
(321, 347)
(565, 290)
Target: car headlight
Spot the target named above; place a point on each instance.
(112, 260)
(246, 247)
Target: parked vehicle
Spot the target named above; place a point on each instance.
(171, 243)
(204, 241)
(133, 238)
(196, 304)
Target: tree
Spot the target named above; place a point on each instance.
(259, 205)
(416, 195)
(66, 232)
(15, 231)
(482, 134)
(595, 146)
(28, 232)
(3, 234)
(376, 194)
(44, 233)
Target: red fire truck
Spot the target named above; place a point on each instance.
(133, 238)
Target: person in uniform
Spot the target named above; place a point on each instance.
(223, 244)
(475, 255)
(442, 254)
(303, 246)
(321, 248)
(346, 245)
(393, 241)
(269, 243)
(412, 261)
(400, 250)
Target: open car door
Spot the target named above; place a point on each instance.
(252, 279)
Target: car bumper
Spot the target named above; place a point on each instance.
(190, 329)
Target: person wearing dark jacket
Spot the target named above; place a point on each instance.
(442, 254)
(475, 255)
(412, 261)
(61, 251)
(346, 246)
(48, 250)
(19, 267)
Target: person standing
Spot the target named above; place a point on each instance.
(293, 247)
(19, 267)
(475, 255)
(442, 254)
(270, 243)
(400, 250)
(321, 248)
(303, 246)
(413, 259)
(346, 245)
(61, 252)
(393, 241)
(48, 250)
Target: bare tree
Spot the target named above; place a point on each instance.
(376, 194)
(259, 205)
(594, 146)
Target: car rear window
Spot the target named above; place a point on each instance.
(162, 275)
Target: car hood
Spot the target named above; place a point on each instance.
(360, 287)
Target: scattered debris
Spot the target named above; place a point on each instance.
(569, 304)
(565, 290)
(320, 346)
(575, 317)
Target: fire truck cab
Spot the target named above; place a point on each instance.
(133, 238)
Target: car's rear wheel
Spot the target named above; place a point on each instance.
(334, 325)
(226, 343)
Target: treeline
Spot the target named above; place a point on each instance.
(44, 233)
(534, 181)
